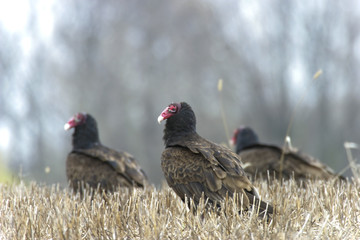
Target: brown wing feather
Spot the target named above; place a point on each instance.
(104, 165)
(190, 174)
(217, 155)
(260, 158)
(197, 166)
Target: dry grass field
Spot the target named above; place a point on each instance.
(322, 210)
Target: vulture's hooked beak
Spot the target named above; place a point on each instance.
(160, 119)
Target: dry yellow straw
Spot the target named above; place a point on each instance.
(220, 87)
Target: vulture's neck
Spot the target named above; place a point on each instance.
(85, 137)
(178, 127)
(242, 143)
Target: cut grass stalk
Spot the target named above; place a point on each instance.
(287, 135)
(223, 116)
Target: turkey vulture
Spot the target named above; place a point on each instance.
(94, 164)
(260, 158)
(194, 166)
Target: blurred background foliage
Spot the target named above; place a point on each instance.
(125, 61)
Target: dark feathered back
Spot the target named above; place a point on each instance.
(260, 159)
(93, 164)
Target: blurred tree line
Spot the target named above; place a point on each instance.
(125, 61)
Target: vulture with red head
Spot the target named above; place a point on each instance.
(194, 166)
(259, 159)
(93, 164)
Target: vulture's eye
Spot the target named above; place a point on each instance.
(78, 118)
(172, 109)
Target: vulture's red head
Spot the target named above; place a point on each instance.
(180, 121)
(76, 120)
(244, 137)
(234, 137)
(169, 111)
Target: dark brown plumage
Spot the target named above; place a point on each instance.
(260, 158)
(193, 165)
(94, 164)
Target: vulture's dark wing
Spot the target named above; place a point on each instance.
(260, 158)
(196, 165)
(122, 163)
